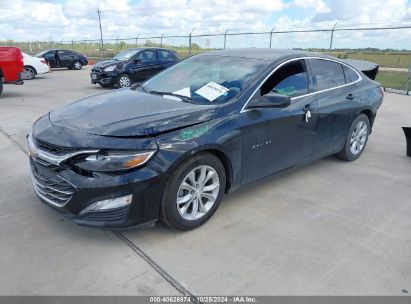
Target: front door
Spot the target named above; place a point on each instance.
(143, 67)
(277, 138)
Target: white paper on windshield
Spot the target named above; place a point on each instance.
(184, 92)
(212, 91)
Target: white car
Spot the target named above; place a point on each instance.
(34, 66)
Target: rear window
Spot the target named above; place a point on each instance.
(326, 74)
(350, 74)
(164, 55)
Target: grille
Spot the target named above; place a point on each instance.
(96, 70)
(53, 190)
(116, 215)
(50, 148)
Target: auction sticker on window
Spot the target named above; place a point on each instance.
(212, 91)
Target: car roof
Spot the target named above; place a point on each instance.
(150, 48)
(263, 54)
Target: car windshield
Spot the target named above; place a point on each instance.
(125, 55)
(205, 79)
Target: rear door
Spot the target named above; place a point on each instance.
(66, 58)
(166, 58)
(337, 101)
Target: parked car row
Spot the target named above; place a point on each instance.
(128, 67)
(16, 66)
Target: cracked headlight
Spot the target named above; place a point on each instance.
(114, 161)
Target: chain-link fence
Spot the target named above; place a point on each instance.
(388, 45)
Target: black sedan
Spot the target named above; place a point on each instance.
(171, 147)
(133, 65)
(64, 59)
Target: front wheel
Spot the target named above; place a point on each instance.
(123, 81)
(30, 73)
(77, 65)
(357, 138)
(193, 192)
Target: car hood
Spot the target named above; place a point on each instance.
(128, 113)
(106, 63)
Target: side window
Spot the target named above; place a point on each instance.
(147, 56)
(291, 80)
(326, 74)
(164, 55)
(350, 74)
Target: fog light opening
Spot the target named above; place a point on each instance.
(112, 203)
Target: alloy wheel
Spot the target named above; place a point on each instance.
(30, 74)
(358, 137)
(198, 192)
(124, 81)
(77, 65)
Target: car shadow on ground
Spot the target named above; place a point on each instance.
(7, 94)
(232, 200)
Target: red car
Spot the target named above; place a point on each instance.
(11, 66)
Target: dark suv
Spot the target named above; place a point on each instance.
(132, 65)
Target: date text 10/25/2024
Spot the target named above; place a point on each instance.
(203, 299)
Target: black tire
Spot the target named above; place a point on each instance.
(30, 72)
(169, 214)
(346, 153)
(77, 65)
(1, 85)
(123, 81)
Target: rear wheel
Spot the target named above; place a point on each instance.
(357, 138)
(30, 72)
(193, 192)
(77, 65)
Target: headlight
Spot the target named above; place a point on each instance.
(110, 68)
(114, 161)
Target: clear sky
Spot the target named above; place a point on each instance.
(31, 20)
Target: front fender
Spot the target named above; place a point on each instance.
(176, 147)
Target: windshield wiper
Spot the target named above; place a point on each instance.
(182, 97)
(138, 85)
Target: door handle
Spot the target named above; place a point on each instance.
(310, 107)
(350, 97)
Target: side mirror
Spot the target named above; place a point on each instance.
(271, 100)
(136, 60)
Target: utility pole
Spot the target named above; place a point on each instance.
(101, 33)
(271, 35)
(332, 38)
